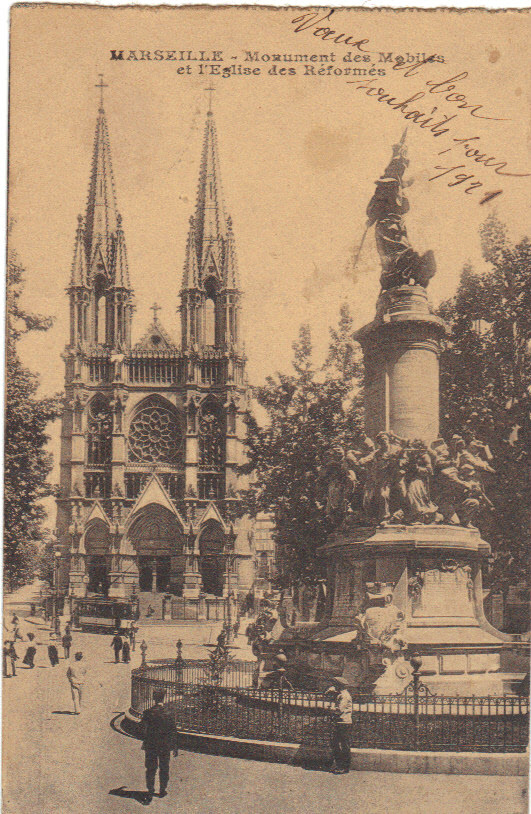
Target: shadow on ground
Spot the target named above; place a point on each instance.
(139, 796)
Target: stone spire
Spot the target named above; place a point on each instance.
(78, 276)
(191, 268)
(210, 219)
(210, 289)
(100, 289)
(119, 260)
(230, 268)
(101, 220)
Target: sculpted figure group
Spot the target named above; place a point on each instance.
(396, 481)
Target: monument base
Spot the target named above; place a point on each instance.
(399, 590)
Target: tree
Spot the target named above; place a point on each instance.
(26, 462)
(485, 387)
(308, 411)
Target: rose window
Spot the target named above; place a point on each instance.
(155, 435)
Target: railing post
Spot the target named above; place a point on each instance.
(416, 663)
(143, 650)
(280, 700)
(179, 662)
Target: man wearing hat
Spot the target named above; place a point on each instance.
(160, 738)
(342, 721)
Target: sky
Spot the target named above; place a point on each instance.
(299, 157)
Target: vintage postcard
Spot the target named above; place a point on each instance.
(267, 429)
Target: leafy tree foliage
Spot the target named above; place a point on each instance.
(485, 387)
(308, 411)
(26, 462)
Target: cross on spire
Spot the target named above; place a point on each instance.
(101, 85)
(155, 307)
(210, 90)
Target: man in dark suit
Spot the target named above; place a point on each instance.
(160, 738)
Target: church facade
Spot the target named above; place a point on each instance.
(153, 433)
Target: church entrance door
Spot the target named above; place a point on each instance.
(145, 573)
(163, 573)
(212, 575)
(98, 575)
(154, 573)
(157, 539)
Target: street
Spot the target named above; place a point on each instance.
(55, 762)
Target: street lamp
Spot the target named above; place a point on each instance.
(55, 586)
(229, 553)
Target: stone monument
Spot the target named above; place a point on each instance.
(405, 558)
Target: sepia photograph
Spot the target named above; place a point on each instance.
(267, 432)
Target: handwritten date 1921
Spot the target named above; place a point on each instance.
(458, 178)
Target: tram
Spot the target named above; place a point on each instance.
(99, 615)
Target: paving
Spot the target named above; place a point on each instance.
(57, 763)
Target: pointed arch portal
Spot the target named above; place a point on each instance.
(156, 535)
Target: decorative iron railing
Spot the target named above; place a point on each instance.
(416, 720)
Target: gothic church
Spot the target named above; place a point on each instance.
(152, 433)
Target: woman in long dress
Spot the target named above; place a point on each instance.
(53, 655)
(126, 651)
(29, 656)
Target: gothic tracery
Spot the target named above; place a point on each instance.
(155, 435)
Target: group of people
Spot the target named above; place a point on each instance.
(396, 481)
(124, 644)
(10, 655)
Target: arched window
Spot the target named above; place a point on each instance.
(99, 437)
(155, 434)
(210, 322)
(100, 310)
(102, 317)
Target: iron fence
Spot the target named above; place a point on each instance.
(415, 720)
(175, 671)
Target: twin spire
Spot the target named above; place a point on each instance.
(100, 246)
(100, 251)
(210, 249)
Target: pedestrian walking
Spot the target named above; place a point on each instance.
(15, 625)
(126, 651)
(8, 666)
(160, 739)
(13, 658)
(29, 655)
(5, 662)
(76, 674)
(117, 644)
(53, 655)
(342, 723)
(67, 643)
(133, 630)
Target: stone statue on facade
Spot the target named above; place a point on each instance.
(401, 265)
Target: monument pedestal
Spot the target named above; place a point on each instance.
(434, 574)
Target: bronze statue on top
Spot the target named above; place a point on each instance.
(401, 265)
